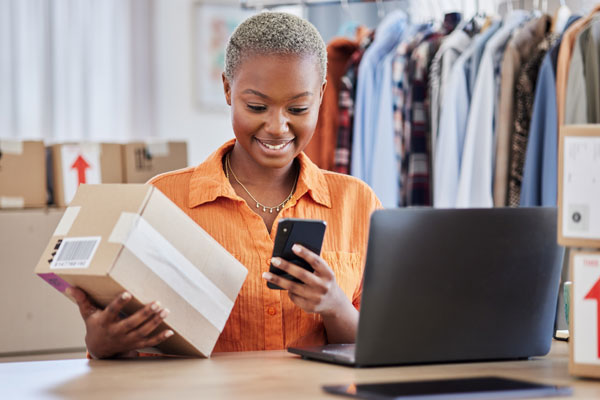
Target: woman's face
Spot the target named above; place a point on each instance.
(274, 103)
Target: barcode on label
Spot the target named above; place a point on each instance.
(75, 252)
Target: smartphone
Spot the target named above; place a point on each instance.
(461, 388)
(306, 232)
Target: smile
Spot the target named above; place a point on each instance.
(275, 144)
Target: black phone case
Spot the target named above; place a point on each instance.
(306, 232)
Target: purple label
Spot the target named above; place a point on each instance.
(59, 284)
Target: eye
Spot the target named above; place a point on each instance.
(256, 108)
(298, 110)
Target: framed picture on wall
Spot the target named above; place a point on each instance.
(213, 24)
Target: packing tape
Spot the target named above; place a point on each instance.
(12, 202)
(158, 254)
(11, 147)
(158, 149)
(66, 222)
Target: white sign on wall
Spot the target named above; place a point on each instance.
(80, 164)
(586, 310)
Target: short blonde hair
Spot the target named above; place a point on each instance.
(274, 33)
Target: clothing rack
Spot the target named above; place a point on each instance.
(252, 4)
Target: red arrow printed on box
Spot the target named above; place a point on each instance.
(594, 294)
(80, 165)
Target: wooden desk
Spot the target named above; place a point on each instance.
(256, 375)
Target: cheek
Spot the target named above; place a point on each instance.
(243, 123)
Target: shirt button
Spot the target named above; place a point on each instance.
(271, 310)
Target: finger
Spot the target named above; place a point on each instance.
(149, 326)
(296, 271)
(154, 340)
(86, 308)
(315, 261)
(283, 283)
(111, 312)
(139, 317)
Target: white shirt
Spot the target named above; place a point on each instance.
(476, 173)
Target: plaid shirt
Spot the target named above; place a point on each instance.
(416, 156)
(346, 96)
(401, 92)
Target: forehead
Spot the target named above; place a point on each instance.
(259, 66)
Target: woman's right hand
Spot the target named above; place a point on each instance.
(109, 335)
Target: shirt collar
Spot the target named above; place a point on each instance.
(208, 181)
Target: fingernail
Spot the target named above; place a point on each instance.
(168, 334)
(275, 261)
(267, 275)
(164, 313)
(154, 306)
(126, 296)
(69, 291)
(296, 248)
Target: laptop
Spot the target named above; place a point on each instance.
(449, 285)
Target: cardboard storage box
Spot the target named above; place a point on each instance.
(114, 238)
(142, 161)
(22, 174)
(579, 186)
(34, 319)
(584, 359)
(77, 163)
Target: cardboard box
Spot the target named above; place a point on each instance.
(77, 163)
(34, 319)
(22, 174)
(132, 237)
(142, 161)
(584, 355)
(579, 186)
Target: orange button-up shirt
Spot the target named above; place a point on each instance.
(265, 319)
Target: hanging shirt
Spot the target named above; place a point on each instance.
(564, 58)
(539, 185)
(524, 97)
(418, 151)
(401, 94)
(476, 173)
(453, 121)
(373, 155)
(582, 78)
(346, 97)
(518, 50)
(441, 65)
(321, 147)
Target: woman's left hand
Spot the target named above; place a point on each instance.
(320, 292)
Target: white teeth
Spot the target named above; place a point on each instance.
(269, 146)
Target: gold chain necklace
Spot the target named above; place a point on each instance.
(259, 204)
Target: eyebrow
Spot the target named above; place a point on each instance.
(264, 96)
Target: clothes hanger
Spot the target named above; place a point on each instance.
(561, 17)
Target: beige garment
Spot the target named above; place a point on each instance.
(564, 58)
(581, 98)
(518, 49)
(591, 53)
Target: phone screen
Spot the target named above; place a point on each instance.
(306, 232)
(474, 388)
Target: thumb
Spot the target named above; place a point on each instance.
(86, 308)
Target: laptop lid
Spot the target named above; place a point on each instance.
(458, 284)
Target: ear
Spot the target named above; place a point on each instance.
(322, 92)
(226, 89)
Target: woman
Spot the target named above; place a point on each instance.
(274, 82)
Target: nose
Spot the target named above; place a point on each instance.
(277, 123)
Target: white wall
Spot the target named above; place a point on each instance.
(178, 115)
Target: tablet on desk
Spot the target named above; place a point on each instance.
(466, 388)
